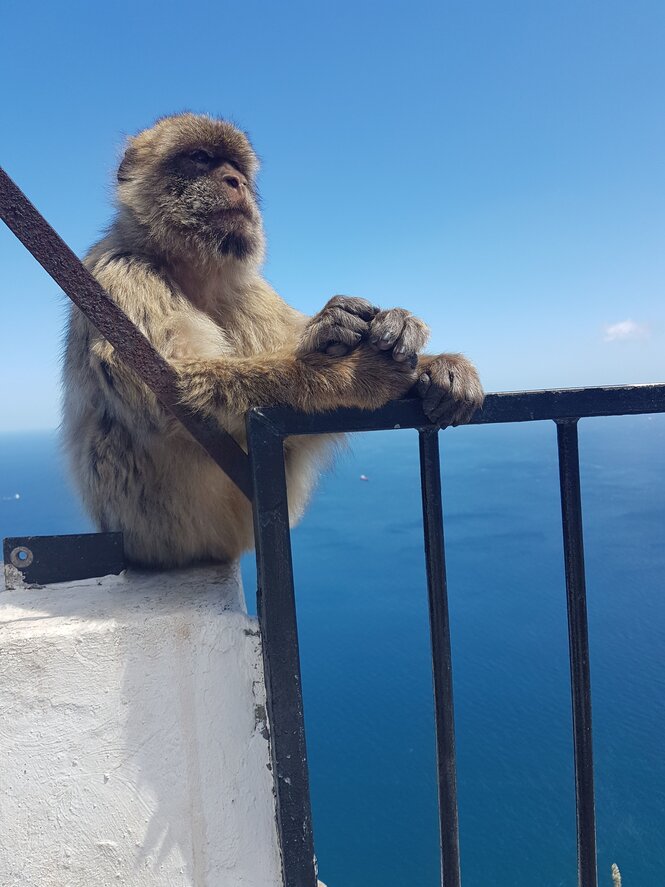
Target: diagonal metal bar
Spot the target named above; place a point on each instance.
(442, 672)
(75, 280)
(578, 637)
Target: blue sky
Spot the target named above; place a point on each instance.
(497, 167)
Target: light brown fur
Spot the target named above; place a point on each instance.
(182, 260)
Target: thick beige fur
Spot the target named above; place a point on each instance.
(182, 259)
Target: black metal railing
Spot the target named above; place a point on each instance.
(262, 477)
(266, 431)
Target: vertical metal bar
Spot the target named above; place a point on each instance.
(430, 478)
(578, 638)
(281, 660)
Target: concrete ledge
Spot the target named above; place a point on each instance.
(134, 736)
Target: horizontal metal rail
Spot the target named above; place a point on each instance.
(519, 406)
(266, 430)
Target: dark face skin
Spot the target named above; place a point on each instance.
(189, 181)
(211, 197)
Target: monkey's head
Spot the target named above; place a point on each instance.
(190, 182)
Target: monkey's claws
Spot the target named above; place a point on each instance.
(450, 389)
(339, 327)
(398, 331)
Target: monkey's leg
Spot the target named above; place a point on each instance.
(450, 388)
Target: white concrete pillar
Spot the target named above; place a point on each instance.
(133, 745)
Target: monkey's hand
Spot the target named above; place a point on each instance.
(338, 328)
(450, 388)
(400, 333)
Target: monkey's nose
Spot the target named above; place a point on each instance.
(233, 181)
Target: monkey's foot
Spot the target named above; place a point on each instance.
(450, 389)
(339, 327)
(397, 330)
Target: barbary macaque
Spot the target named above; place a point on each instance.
(182, 259)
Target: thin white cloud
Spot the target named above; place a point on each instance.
(626, 331)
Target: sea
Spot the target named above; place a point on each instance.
(362, 609)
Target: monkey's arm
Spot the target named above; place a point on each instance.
(448, 383)
(228, 386)
(311, 383)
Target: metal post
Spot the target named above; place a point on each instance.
(430, 476)
(578, 637)
(281, 658)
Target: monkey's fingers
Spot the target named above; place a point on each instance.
(465, 413)
(387, 327)
(332, 327)
(423, 385)
(438, 402)
(411, 340)
(341, 319)
(336, 349)
(339, 334)
(398, 331)
(353, 305)
(451, 391)
(442, 410)
(450, 412)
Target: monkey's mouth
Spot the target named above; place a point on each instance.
(230, 212)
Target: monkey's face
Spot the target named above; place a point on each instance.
(190, 181)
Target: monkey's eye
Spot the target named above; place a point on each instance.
(205, 158)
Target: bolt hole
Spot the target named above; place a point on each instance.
(21, 557)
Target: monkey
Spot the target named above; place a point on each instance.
(183, 259)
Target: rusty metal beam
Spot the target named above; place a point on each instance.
(133, 347)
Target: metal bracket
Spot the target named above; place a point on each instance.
(41, 560)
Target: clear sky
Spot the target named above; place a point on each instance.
(496, 166)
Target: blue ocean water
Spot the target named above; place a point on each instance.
(365, 649)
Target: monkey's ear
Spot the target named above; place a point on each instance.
(125, 168)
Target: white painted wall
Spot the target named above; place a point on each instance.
(132, 735)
